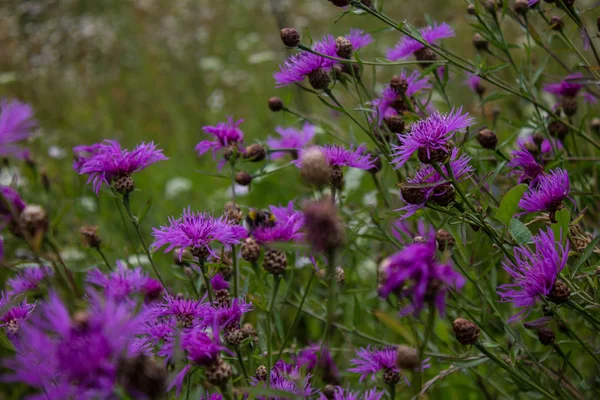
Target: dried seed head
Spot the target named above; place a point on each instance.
(558, 129)
(569, 106)
(407, 358)
(521, 7)
(412, 195)
(261, 373)
(560, 292)
(315, 168)
(143, 376)
(34, 219)
(336, 177)
(323, 225)
(487, 139)
(400, 85)
(466, 331)
(319, 79)
(557, 23)
(243, 178)
(343, 47)
(290, 37)
(89, 236)
(480, 42)
(340, 276)
(395, 123)
(546, 336)
(233, 213)
(444, 239)
(255, 152)
(275, 261)
(275, 104)
(219, 373)
(250, 250)
(124, 184)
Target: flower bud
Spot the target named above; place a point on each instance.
(560, 292)
(290, 37)
(340, 3)
(487, 139)
(556, 23)
(546, 336)
(466, 332)
(444, 239)
(261, 373)
(558, 129)
(255, 153)
(400, 85)
(315, 169)
(407, 358)
(343, 48)
(243, 178)
(395, 123)
(569, 106)
(275, 261)
(89, 236)
(336, 177)
(324, 227)
(479, 42)
(219, 373)
(250, 250)
(275, 104)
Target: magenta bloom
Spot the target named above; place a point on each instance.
(383, 104)
(107, 161)
(74, 357)
(286, 378)
(474, 83)
(339, 156)
(288, 226)
(28, 279)
(225, 133)
(534, 273)
(226, 316)
(432, 184)
(548, 193)
(291, 138)
(341, 394)
(16, 204)
(12, 316)
(219, 283)
(525, 166)
(532, 3)
(298, 66)
(415, 274)
(312, 358)
(201, 349)
(548, 144)
(408, 46)
(16, 124)
(370, 361)
(197, 230)
(429, 135)
(568, 87)
(120, 284)
(178, 310)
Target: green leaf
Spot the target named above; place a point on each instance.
(470, 363)
(493, 97)
(561, 226)
(519, 231)
(586, 254)
(509, 203)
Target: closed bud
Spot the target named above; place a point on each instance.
(243, 178)
(219, 373)
(444, 239)
(558, 129)
(250, 250)
(546, 336)
(340, 3)
(343, 48)
(479, 42)
(560, 292)
(315, 169)
(255, 152)
(89, 236)
(569, 106)
(323, 225)
(487, 139)
(466, 332)
(275, 104)
(261, 373)
(407, 358)
(275, 261)
(290, 37)
(556, 23)
(336, 177)
(395, 123)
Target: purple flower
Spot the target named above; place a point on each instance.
(198, 231)
(370, 361)
(299, 66)
(288, 226)
(532, 3)
(152, 290)
(225, 133)
(548, 193)
(474, 82)
(525, 166)
(339, 156)
(291, 138)
(201, 349)
(414, 273)
(430, 135)
(13, 316)
(312, 357)
(534, 273)
(408, 45)
(219, 283)
(226, 315)
(10, 204)
(383, 105)
(74, 357)
(16, 124)
(341, 394)
(547, 146)
(404, 232)
(568, 87)
(119, 284)
(432, 184)
(107, 161)
(178, 310)
(286, 378)
(29, 279)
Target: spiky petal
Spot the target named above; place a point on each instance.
(407, 45)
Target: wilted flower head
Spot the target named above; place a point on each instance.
(384, 104)
(291, 138)
(568, 87)
(287, 227)
(13, 316)
(534, 273)
(525, 166)
(197, 231)
(548, 192)
(225, 133)
(312, 358)
(408, 46)
(10, 204)
(430, 136)
(107, 161)
(16, 124)
(29, 279)
(414, 273)
(301, 65)
(120, 284)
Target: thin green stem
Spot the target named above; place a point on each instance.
(584, 312)
(206, 281)
(241, 360)
(99, 250)
(276, 282)
(236, 276)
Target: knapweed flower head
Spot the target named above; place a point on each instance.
(384, 105)
(341, 394)
(525, 166)
(474, 83)
(302, 65)
(339, 156)
(406, 234)
(16, 124)
(287, 378)
(120, 284)
(291, 138)
(429, 185)
(200, 348)
(11, 204)
(29, 279)
(414, 273)
(533, 273)
(184, 312)
(287, 227)
(107, 161)
(13, 314)
(533, 143)
(226, 315)
(74, 357)
(197, 231)
(430, 137)
(313, 358)
(548, 193)
(225, 134)
(568, 87)
(218, 282)
(372, 360)
(408, 46)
